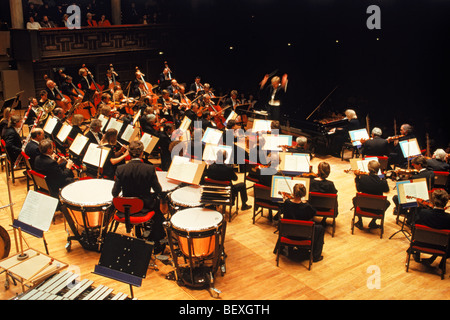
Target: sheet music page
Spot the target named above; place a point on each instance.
(104, 120)
(38, 210)
(210, 153)
(296, 163)
(64, 132)
(273, 141)
(182, 169)
(410, 148)
(185, 124)
(415, 190)
(146, 139)
(95, 155)
(127, 133)
(114, 124)
(136, 117)
(233, 115)
(262, 125)
(212, 136)
(78, 144)
(50, 125)
(357, 135)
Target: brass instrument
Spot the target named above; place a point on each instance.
(47, 109)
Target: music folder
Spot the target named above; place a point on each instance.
(294, 163)
(184, 170)
(362, 165)
(286, 184)
(212, 136)
(272, 142)
(260, 125)
(210, 153)
(130, 133)
(50, 125)
(78, 144)
(114, 124)
(410, 148)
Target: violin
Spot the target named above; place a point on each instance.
(308, 175)
(285, 195)
(390, 139)
(424, 203)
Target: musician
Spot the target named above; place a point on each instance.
(57, 169)
(434, 217)
(437, 162)
(150, 125)
(302, 146)
(183, 100)
(223, 172)
(372, 184)
(197, 87)
(67, 89)
(164, 77)
(51, 91)
(116, 155)
(105, 102)
(85, 82)
(13, 141)
(34, 111)
(353, 121)
(273, 95)
(109, 79)
(298, 209)
(138, 179)
(137, 86)
(192, 113)
(341, 135)
(376, 146)
(77, 121)
(7, 113)
(58, 114)
(94, 134)
(32, 147)
(164, 143)
(396, 158)
(43, 97)
(320, 183)
(173, 87)
(166, 103)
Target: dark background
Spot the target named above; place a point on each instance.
(402, 76)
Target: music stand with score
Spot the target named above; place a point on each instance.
(125, 259)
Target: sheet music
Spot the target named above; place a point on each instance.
(262, 125)
(78, 144)
(185, 124)
(296, 162)
(410, 148)
(129, 133)
(64, 132)
(50, 125)
(273, 141)
(212, 136)
(95, 155)
(136, 117)
(183, 170)
(357, 135)
(38, 210)
(210, 153)
(286, 184)
(104, 120)
(414, 190)
(149, 142)
(114, 124)
(233, 115)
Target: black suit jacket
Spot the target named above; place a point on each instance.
(13, 142)
(375, 147)
(221, 172)
(437, 165)
(371, 184)
(433, 218)
(427, 174)
(84, 84)
(58, 176)
(32, 150)
(136, 179)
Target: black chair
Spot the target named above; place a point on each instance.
(370, 206)
(430, 241)
(262, 200)
(326, 206)
(295, 229)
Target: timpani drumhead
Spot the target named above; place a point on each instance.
(89, 192)
(189, 196)
(196, 227)
(90, 195)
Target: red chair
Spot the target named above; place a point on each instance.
(326, 206)
(39, 182)
(262, 200)
(430, 241)
(129, 212)
(366, 203)
(291, 229)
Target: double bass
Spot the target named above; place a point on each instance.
(94, 86)
(64, 101)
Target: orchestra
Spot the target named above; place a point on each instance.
(103, 114)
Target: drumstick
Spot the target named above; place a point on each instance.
(42, 269)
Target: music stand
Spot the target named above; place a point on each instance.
(125, 259)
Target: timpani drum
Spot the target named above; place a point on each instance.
(87, 202)
(197, 231)
(186, 197)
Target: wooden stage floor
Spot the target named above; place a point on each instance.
(347, 272)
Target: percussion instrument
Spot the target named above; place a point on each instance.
(167, 184)
(196, 230)
(199, 234)
(65, 286)
(89, 205)
(186, 197)
(5, 243)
